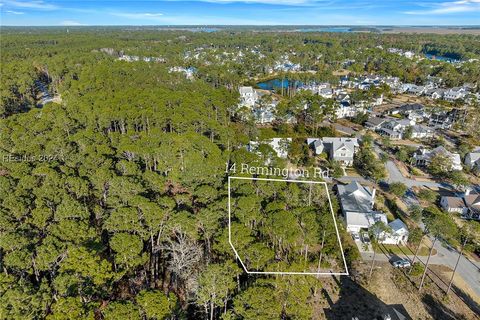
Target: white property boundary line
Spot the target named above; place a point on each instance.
(278, 272)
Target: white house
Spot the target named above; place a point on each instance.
(472, 159)
(422, 132)
(454, 94)
(394, 129)
(398, 235)
(279, 145)
(356, 202)
(423, 156)
(338, 149)
(248, 96)
(409, 54)
(375, 123)
(357, 221)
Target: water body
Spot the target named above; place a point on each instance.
(327, 29)
(440, 58)
(275, 84)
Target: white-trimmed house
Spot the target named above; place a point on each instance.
(421, 132)
(398, 233)
(279, 145)
(356, 202)
(468, 205)
(472, 159)
(248, 96)
(338, 149)
(423, 156)
(453, 205)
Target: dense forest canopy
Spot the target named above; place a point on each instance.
(113, 199)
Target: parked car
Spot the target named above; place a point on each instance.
(365, 238)
(356, 236)
(402, 263)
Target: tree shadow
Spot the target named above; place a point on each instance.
(467, 299)
(437, 310)
(356, 302)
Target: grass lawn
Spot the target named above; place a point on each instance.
(403, 250)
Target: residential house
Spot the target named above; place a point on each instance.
(467, 205)
(411, 88)
(418, 115)
(395, 128)
(423, 156)
(455, 94)
(472, 159)
(338, 149)
(392, 82)
(422, 132)
(325, 92)
(441, 120)
(279, 145)
(374, 123)
(472, 201)
(264, 115)
(248, 96)
(356, 202)
(398, 233)
(453, 204)
(435, 93)
(346, 110)
(407, 108)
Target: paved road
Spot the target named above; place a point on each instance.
(468, 270)
(395, 175)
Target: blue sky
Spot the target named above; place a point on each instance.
(246, 12)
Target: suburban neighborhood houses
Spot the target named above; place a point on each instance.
(392, 149)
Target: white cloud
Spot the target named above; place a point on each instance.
(449, 7)
(32, 4)
(71, 23)
(14, 12)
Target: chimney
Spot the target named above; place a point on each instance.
(373, 197)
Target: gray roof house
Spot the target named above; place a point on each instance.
(374, 123)
(357, 202)
(422, 157)
(394, 129)
(338, 149)
(398, 233)
(472, 159)
(468, 205)
(421, 132)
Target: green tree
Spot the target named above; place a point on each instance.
(438, 225)
(398, 188)
(156, 305)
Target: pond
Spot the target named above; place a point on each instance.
(440, 58)
(327, 29)
(276, 83)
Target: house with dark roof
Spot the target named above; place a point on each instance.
(374, 123)
(467, 205)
